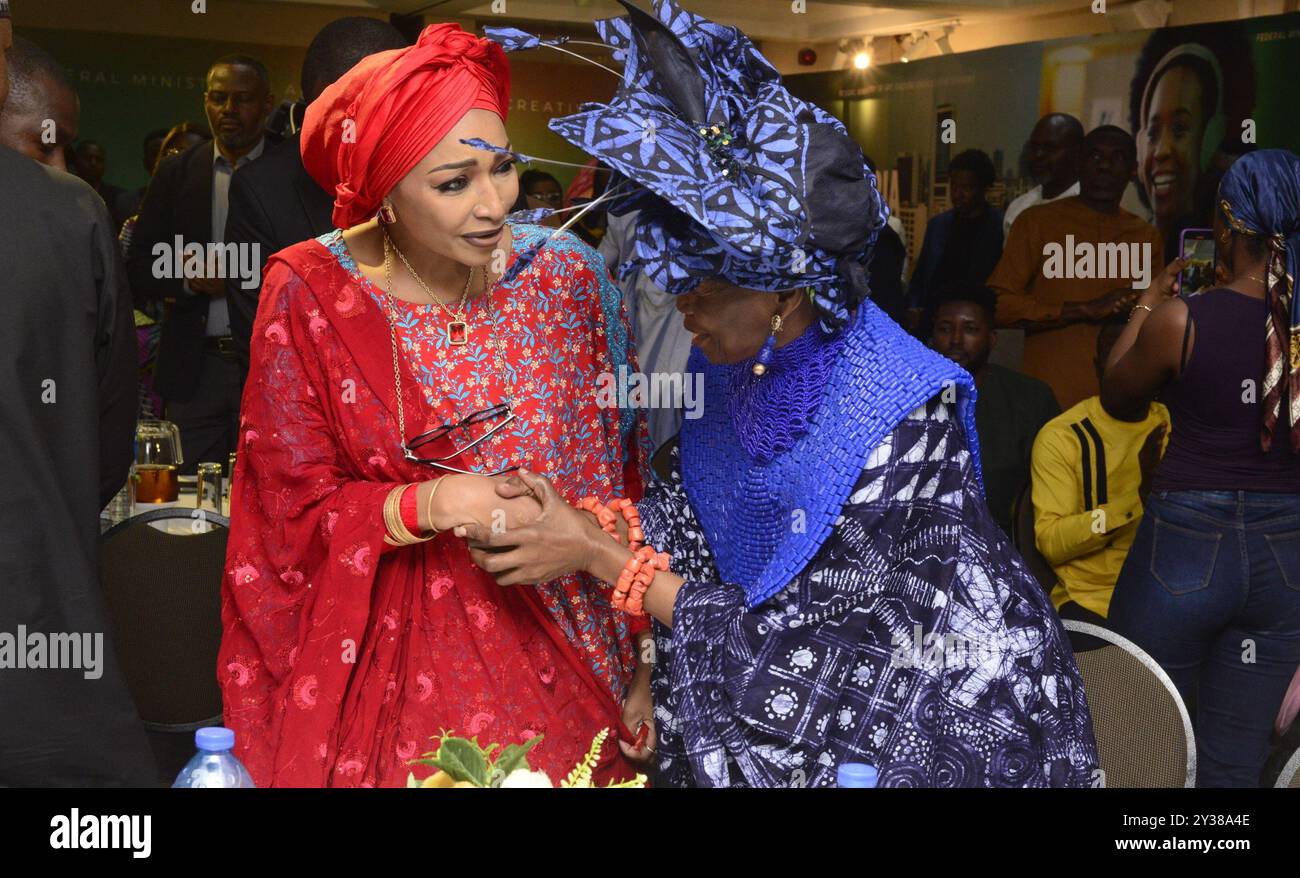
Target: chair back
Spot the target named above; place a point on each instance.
(1022, 537)
(1144, 733)
(163, 592)
(1290, 776)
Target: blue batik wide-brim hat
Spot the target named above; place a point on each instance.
(734, 177)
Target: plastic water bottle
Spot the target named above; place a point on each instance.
(856, 775)
(214, 766)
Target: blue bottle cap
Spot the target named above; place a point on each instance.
(216, 738)
(856, 774)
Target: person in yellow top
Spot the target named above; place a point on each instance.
(1089, 476)
(1071, 264)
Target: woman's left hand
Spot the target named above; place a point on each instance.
(560, 541)
(639, 709)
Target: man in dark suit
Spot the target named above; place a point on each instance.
(67, 414)
(92, 161)
(184, 211)
(275, 203)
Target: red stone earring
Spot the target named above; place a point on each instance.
(386, 214)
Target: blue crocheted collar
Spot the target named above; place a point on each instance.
(771, 412)
(765, 518)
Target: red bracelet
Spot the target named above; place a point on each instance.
(635, 536)
(409, 509)
(604, 516)
(636, 578)
(623, 584)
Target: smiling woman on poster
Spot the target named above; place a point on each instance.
(1190, 92)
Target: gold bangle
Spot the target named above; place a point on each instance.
(394, 535)
(428, 507)
(1135, 310)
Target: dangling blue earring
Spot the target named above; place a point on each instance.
(765, 353)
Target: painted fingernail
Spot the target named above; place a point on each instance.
(459, 531)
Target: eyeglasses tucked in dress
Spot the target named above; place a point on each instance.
(498, 415)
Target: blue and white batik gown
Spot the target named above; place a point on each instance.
(842, 665)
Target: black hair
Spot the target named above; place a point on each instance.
(530, 178)
(527, 180)
(1072, 125)
(1113, 131)
(240, 60)
(27, 62)
(156, 134)
(181, 130)
(1256, 245)
(976, 294)
(976, 161)
(340, 45)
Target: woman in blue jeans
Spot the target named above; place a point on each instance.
(1211, 586)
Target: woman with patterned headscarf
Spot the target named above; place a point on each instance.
(825, 579)
(1211, 586)
(396, 363)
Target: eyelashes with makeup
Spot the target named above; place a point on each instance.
(458, 184)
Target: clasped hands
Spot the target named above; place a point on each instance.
(532, 536)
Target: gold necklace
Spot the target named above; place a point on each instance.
(498, 349)
(457, 325)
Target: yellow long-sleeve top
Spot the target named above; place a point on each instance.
(1063, 357)
(1085, 475)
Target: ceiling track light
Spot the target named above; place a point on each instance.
(853, 52)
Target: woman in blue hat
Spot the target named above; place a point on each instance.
(826, 582)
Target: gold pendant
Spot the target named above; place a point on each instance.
(457, 332)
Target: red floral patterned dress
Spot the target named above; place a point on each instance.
(341, 655)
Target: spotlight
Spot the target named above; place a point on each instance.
(807, 57)
(861, 61)
(913, 45)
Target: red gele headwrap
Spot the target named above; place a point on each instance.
(367, 130)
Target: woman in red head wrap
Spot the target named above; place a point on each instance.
(389, 357)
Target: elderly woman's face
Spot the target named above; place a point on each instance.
(1169, 146)
(728, 323)
(456, 199)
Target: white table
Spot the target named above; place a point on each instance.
(178, 526)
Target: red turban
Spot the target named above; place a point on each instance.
(367, 130)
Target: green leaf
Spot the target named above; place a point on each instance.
(462, 760)
(513, 758)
